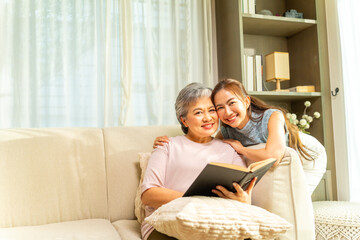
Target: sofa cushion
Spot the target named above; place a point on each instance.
(128, 229)
(215, 218)
(122, 145)
(283, 190)
(74, 230)
(51, 175)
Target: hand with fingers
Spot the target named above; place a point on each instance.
(240, 195)
(159, 141)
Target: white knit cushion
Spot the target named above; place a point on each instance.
(337, 220)
(215, 218)
(139, 206)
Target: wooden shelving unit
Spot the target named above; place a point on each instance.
(304, 39)
(263, 34)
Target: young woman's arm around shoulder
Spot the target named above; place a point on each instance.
(275, 145)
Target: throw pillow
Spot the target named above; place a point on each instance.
(139, 206)
(216, 218)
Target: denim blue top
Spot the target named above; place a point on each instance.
(253, 132)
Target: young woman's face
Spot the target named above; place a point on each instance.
(230, 109)
(201, 120)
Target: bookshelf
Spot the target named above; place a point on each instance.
(304, 39)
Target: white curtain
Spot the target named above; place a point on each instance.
(172, 47)
(101, 62)
(349, 19)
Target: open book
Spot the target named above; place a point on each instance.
(224, 174)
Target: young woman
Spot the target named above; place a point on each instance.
(248, 121)
(172, 167)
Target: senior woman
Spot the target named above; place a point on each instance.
(175, 165)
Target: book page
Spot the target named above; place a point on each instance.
(232, 166)
(256, 165)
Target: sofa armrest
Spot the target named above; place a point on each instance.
(283, 190)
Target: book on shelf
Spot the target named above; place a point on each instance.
(245, 70)
(249, 73)
(251, 6)
(253, 72)
(309, 88)
(258, 69)
(248, 6)
(224, 174)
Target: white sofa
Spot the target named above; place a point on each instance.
(80, 183)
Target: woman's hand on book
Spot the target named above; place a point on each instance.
(240, 195)
(159, 141)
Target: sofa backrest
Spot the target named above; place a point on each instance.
(51, 175)
(122, 145)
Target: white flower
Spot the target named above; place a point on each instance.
(316, 115)
(303, 122)
(309, 119)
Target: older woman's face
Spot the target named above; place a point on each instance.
(201, 119)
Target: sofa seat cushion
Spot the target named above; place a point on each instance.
(128, 229)
(89, 229)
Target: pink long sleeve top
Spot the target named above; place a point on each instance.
(176, 165)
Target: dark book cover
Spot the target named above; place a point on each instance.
(214, 175)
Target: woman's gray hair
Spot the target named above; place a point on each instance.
(188, 95)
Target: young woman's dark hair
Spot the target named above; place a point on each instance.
(260, 107)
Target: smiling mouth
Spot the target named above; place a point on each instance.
(232, 119)
(208, 125)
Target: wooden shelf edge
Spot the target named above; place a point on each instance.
(279, 18)
(257, 24)
(284, 96)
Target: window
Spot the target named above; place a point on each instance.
(101, 62)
